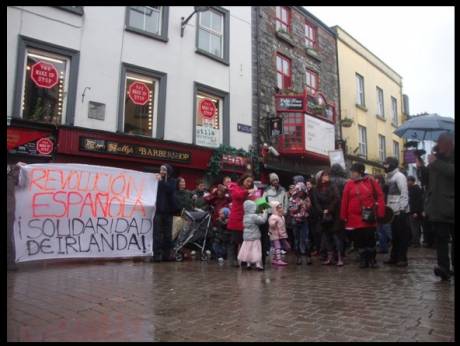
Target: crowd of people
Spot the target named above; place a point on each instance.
(326, 216)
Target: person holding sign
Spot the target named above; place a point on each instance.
(166, 208)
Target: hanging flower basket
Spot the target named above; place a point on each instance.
(346, 122)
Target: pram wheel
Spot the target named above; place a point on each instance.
(204, 257)
(179, 257)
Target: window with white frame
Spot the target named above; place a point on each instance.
(394, 111)
(208, 124)
(283, 72)
(282, 18)
(396, 150)
(312, 81)
(311, 36)
(211, 32)
(45, 87)
(362, 141)
(140, 105)
(146, 18)
(380, 107)
(382, 148)
(360, 90)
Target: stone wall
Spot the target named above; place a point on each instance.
(270, 43)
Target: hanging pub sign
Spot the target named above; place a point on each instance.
(290, 103)
(44, 75)
(139, 93)
(276, 126)
(125, 149)
(30, 142)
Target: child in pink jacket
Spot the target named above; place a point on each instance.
(277, 232)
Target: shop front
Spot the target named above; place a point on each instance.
(96, 147)
(304, 137)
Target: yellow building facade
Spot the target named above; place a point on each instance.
(370, 96)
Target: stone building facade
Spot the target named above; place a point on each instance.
(270, 41)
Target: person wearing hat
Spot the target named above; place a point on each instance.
(361, 195)
(273, 192)
(398, 201)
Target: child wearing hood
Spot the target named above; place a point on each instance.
(251, 249)
(277, 232)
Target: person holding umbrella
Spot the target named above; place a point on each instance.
(439, 203)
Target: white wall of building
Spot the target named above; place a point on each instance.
(104, 45)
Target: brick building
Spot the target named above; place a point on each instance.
(294, 53)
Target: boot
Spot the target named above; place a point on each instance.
(363, 258)
(372, 261)
(298, 260)
(277, 261)
(309, 262)
(329, 259)
(339, 259)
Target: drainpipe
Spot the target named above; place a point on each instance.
(256, 132)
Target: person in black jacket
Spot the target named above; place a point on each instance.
(415, 210)
(166, 208)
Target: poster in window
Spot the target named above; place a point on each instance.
(139, 105)
(276, 127)
(44, 87)
(207, 130)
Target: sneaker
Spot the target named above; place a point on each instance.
(208, 252)
(220, 260)
(339, 263)
(283, 252)
(259, 269)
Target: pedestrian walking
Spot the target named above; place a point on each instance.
(398, 201)
(251, 248)
(166, 207)
(299, 211)
(239, 192)
(326, 201)
(383, 229)
(440, 200)
(278, 233)
(362, 202)
(415, 210)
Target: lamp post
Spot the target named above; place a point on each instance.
(184, 22)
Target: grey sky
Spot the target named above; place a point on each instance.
(417, 42)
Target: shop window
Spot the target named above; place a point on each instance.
(140, 104)
(45, 87)
(213, 37)
(283, 18)
(312, 82)
(311, 36)
(151, 21)
(283, 72)
(362, 141)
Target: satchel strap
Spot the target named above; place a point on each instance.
(373, 190)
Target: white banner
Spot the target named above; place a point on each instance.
(76, 210)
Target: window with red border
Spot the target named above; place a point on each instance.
(312, 82)
(283, 72)
(311, 35)
(283, 18)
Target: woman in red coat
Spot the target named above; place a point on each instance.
(239, 192)
(362, 191)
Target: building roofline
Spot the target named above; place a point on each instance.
(360, 44)
(324, 26)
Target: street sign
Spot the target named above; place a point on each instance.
(244, 128)
(207, 108)
(139, 93)
(44, 75)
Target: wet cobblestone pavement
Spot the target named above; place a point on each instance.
(199, 301)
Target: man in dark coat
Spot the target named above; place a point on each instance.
(422, 175)
(439, 203)
(166, 208)
(415, 210)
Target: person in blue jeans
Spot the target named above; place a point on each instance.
(384, 236)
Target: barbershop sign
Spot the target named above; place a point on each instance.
(112, 147)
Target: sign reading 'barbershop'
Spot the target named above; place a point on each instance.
(75, 210)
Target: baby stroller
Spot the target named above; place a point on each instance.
(195, 232)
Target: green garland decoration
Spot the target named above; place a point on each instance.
(214, 165)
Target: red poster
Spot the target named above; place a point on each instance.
(139, 93)
(44, 146)
(207, 108)
(44, 75)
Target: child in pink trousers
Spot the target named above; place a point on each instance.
(277, 232)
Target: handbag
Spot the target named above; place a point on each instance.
(369, 215)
